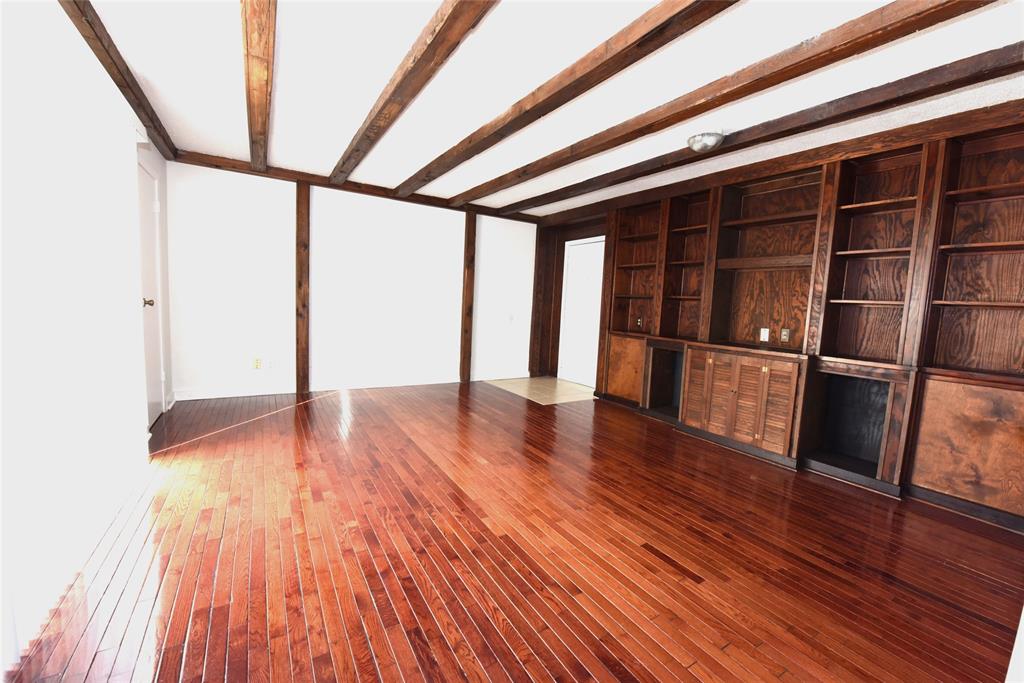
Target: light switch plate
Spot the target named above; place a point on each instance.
(784, 334)
(763, 336)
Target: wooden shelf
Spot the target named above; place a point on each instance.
(684, 297)
(765, 262)
(894, 251)
(694, 262)
(791, 217)
(967, 194)
(1015, 245)
(633, 296)
(636, 266)
(690, 228)
(865, 302)
(640, 236)
(981, 304)
(879, 205)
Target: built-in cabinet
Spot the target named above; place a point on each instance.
(863, 319)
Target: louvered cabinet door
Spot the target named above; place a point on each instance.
(721, 380)
(776, 422)
(695, 386)
(748, 399)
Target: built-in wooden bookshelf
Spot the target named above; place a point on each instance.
(976, 318)
(765, 240)
(874, 230)
(636, 257)
(685, 250)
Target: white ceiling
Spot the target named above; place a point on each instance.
(334, 58)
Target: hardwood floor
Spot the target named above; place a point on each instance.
(462, 533)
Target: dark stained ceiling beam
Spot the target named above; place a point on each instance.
(884, 25)
(968, 71)
(276, 173)
(83, 16)
(259, 21)
(447, 29)
(656, 28)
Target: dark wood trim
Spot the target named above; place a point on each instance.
(439, 39)
(83, 16)
(866, 32)
(985, 118)
(607, 277)
(966, 507)
(277, 173)
(259, 22)
(656, 28)
(870, 483)
(707, 292)
(964, 72)
(549, 262)
(468, 292)
(302, 288)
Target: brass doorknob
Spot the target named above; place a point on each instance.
(147, 302)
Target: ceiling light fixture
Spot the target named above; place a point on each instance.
(704, 142)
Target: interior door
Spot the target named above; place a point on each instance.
(149, 208)
(581, 310)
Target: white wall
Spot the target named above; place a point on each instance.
(231, 241)
(74, 411)
(503, 298)
(385, 292)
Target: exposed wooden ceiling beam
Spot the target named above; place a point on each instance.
(447, 29)
(83, 16)
(656, 28)
(886, 24)
(1004, 114)
(970, 70)
(259, 22)
(276, 173)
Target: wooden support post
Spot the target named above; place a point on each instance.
(468, 286)
(301, 288)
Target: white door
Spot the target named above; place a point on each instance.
(149, 208)
(581, 310)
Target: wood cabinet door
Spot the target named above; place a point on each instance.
(625, 368)
(721, 382)
(695, 389)
(748, 398)
(779, 390)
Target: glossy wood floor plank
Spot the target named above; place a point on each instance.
(461, 532)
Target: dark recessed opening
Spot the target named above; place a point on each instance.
(666, 381)
(854, 420)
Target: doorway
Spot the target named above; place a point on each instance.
(149, 212)
(580, 324)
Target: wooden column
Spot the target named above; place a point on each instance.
(301, 288)
(468, 286)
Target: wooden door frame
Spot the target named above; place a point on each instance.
(546, 319)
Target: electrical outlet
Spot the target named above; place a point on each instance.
(639, 322)
(764, 334)
(784, 334)
(257, 363)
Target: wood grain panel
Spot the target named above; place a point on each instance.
(876, 279)
(970, 444)
(883, 230)
(988, 221)
(783, 239)
(985, 277)
(868, 332)
(625, 369)
(888, 183)
(801, 194)
(980, 339)
(772, 299)
(1003, 162)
